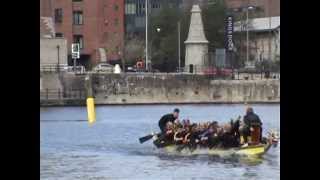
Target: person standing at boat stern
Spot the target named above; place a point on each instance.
(168, 118)
(252, 126)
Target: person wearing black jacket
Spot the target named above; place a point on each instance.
(168, 118)
(251, 120)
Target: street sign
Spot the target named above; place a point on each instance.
(75, 50)
(229, 33)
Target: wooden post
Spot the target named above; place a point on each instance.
(47, 92)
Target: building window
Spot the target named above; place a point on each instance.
(130, 8)
(76, 0)
(116, 7)
(155, 5)
(78, 39)
(59, 35)
(58, 15)
(77, 18)
(140, 9)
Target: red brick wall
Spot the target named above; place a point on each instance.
(46, 8)
(112, 35)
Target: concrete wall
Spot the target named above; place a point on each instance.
(142, 89)
(117, 89)
(50, 81)
(49, 51)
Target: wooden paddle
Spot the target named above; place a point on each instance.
(147, 138)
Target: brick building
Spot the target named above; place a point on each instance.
(97, 25)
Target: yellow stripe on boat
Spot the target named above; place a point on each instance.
(256, 150)
(249, 151)
(170, 148)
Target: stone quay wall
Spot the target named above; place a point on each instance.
(111, 89)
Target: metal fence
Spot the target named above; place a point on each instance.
(58, 94)
(227, 73)
(53, 68)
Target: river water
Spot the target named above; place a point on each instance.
(109, 149)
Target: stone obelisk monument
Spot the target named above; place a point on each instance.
(196, 43)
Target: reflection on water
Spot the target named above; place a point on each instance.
(70, 149)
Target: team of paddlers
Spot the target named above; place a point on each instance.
(236, 133)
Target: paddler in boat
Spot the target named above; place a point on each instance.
(193, 137)
(169, 132)
(252, 126)
(167, 137)
(213, 139)
(171, 129)
(185, 123)
(229, 138)
(179, 135)
(171, 117)
(206, 134)
(177, 125)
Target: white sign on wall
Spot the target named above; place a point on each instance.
(75, 50)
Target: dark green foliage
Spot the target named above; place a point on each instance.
(163, 45)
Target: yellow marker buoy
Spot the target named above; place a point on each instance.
(90, 101)
(91, 110)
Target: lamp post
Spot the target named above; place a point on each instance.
(122, 61)
(58, 50)
(247, 29)
(270, 35)
(146, 11)
(179, 55)
(158, 29)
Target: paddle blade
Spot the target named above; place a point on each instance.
(145, 138)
